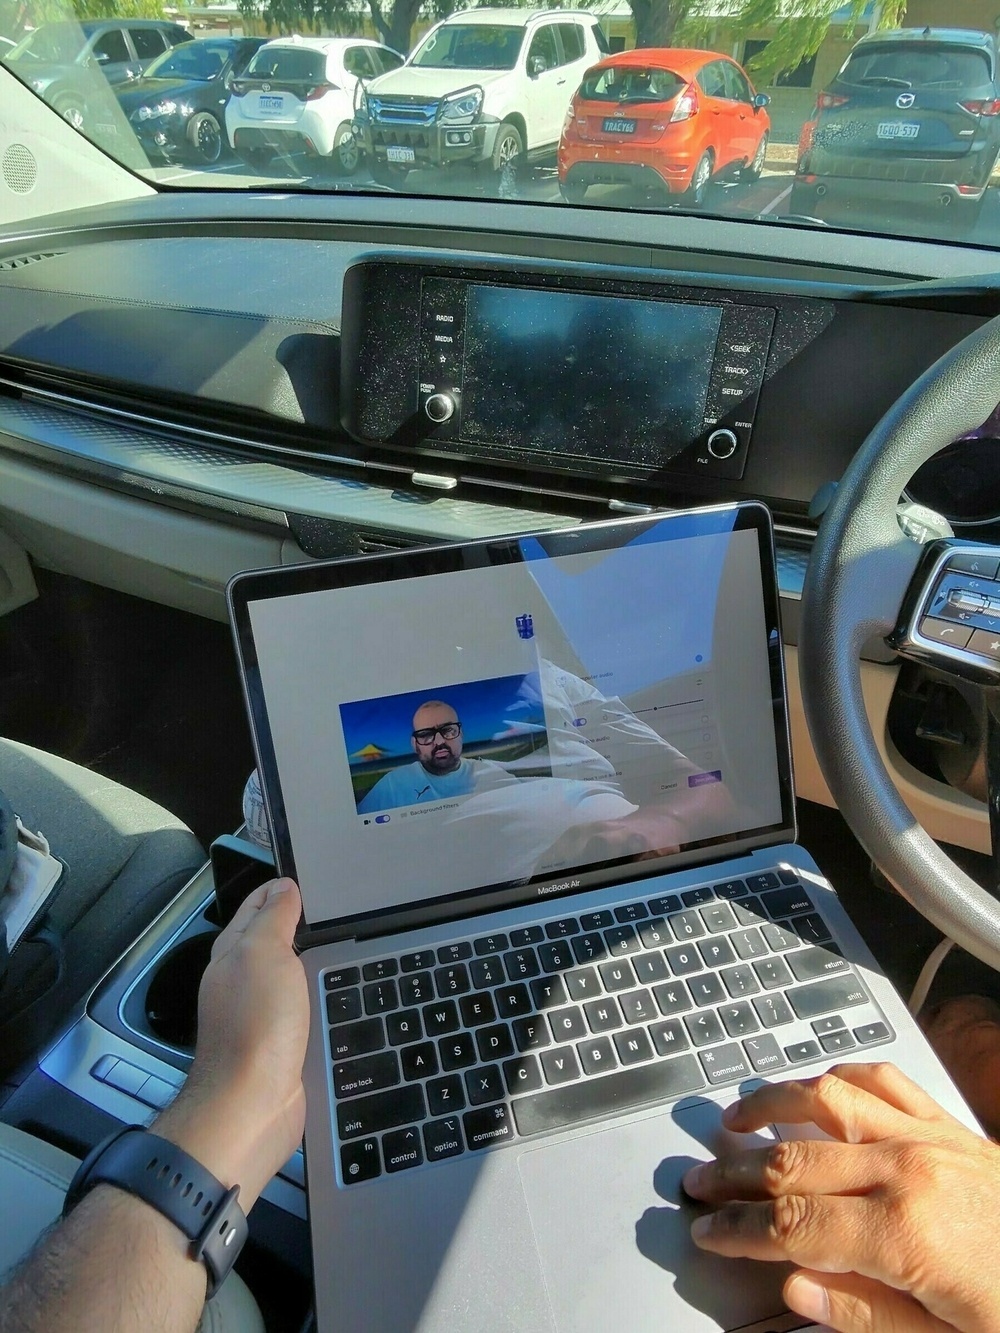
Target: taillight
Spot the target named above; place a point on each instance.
(982, 106)
(686, 105)
(320, 90)
(827, 101)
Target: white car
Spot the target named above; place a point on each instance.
(485, 86)
(297, 94)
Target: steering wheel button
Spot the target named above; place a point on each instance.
(985, 644)
(946, 631)
(984, 566)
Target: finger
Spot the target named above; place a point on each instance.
(831, 1233)
(793, 1166)
(887, 1081)
(835, 1101)
(853, 1304)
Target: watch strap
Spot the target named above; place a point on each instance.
(176, 1185)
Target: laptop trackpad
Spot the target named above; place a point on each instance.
(611, 1225)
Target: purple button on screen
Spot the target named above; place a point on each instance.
(701, 779)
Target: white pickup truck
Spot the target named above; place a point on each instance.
(488, 86)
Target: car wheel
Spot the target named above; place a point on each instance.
(205, 137)
(865, 580)
(346, 154)
(388, 173)
(752, 170)
(72, 109)
(572, 191)
(508, 157)
(700, 179)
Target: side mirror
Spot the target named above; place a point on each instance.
(761, 100)
(536, 66)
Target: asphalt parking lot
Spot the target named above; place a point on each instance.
(767, 197)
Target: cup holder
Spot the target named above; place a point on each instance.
(172, 997)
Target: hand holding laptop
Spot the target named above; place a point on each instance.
(894, 1221)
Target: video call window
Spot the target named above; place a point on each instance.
(445, 742)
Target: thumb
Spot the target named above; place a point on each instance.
(281, 908)
(849, 1303)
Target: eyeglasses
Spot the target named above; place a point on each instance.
(448, 731)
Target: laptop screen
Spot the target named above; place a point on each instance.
(443, 731)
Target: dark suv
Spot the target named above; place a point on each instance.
(912, 118)
(70, 64)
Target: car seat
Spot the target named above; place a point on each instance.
(124, 859)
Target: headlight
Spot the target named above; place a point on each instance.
(156, 111)
(461, 108)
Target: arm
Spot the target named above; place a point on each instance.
(116, 1264)
(892, 1225)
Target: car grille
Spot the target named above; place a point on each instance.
(403, 111)
(401, 138)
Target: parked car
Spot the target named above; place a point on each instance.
(299, 93)
(486, 86)
(663, 118)
(178, 107)
(912, 118)
(64, 61)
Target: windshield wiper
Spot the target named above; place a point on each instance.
(885, 81)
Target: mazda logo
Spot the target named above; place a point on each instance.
(904, 100)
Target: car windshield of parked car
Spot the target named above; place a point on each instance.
(475, 46)
(198, 61)
(287, 63)
(631, 84)
(915, 66)
(878, 119)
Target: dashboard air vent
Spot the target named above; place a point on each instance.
(22, 261)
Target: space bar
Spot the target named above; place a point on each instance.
(610, 1094)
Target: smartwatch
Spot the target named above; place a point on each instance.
(171, 1181)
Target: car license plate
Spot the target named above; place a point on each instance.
(396, 154)
(897, 129)
(271, 103)
(616, 125)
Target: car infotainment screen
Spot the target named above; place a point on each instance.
(571, 372)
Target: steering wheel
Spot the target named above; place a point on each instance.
(866, 579)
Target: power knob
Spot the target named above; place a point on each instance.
(440, 407)
(723, 443)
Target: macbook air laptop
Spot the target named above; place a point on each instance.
(537, 794)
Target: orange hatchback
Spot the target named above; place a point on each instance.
(660, 118)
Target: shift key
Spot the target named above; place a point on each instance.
(824, 997)
(383, 1110)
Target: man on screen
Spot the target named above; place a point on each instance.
(439, 771)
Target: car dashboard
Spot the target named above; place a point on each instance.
(193, 385)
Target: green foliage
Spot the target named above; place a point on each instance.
(52, 11)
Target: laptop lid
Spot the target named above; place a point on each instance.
(450, 730)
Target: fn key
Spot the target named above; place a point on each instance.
(360, 1161)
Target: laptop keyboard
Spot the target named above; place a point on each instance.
(474, 1044)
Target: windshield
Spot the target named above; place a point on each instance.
(474, 46)
(198, 61)
(785, 113)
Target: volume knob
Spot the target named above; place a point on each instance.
(440, 407)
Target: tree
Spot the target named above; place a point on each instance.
(799, 25)
(392, 19)
(18, 16)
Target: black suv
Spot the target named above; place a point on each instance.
(71, 64)
(912, 118)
